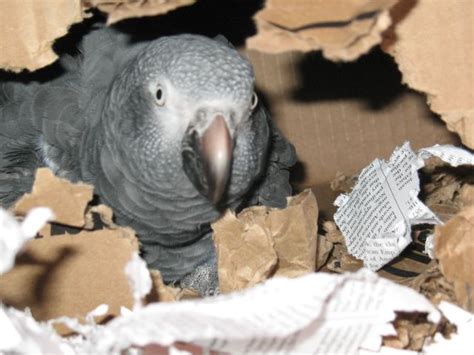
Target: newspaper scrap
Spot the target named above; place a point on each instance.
(376, 217)
(318, 313)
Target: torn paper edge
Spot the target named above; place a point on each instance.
(460, 341)
(14, 234)
(276, 317)
(377, 249)
(349, 313)
(139, 279)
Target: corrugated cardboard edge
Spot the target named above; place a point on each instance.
(120, 10)
(342, 33)
(433, 45)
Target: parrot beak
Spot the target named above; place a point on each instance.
(216, 152)
(207, 158)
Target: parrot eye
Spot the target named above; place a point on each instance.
(254, 101)
(160, 96)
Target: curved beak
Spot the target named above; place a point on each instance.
(216, 152)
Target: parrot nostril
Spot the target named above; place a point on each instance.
(201, 115)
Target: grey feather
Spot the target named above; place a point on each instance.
(102, 123)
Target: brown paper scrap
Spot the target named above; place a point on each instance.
(413, 330)
(68, 201)
(432, 43)
(123, 9)
(466, 195)
(261, 242)
(340, 260)
(246, 254)
(454, 248)
(105, 214)
(29, 28)
(433, 285)
(70, 275)
(342, 30)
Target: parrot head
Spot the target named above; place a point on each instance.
(190, 99)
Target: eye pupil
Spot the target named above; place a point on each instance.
(160, 96)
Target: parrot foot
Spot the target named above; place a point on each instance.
(204, 279)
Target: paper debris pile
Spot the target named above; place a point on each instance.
(448, 193)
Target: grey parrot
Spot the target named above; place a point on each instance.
(169, 132)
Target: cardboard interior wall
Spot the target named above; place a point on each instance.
(340, 117)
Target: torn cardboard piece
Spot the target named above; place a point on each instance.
(30, 28)
(67, 201)
(454, 248)
(261, 242)
(67, 275)
(376, 217)
(431, 42)
(118, 10)
(342, 30)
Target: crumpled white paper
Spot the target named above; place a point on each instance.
(139, 279)
(14, 235)
(376, 217)
(318, 313)
(21, 334)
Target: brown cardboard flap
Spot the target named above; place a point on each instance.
(70, 275)
(29, 29)
(432, 42)
(122, 9)
(343, 30)
(454, 248)
(67, 201)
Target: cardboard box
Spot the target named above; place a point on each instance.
(339, 115)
